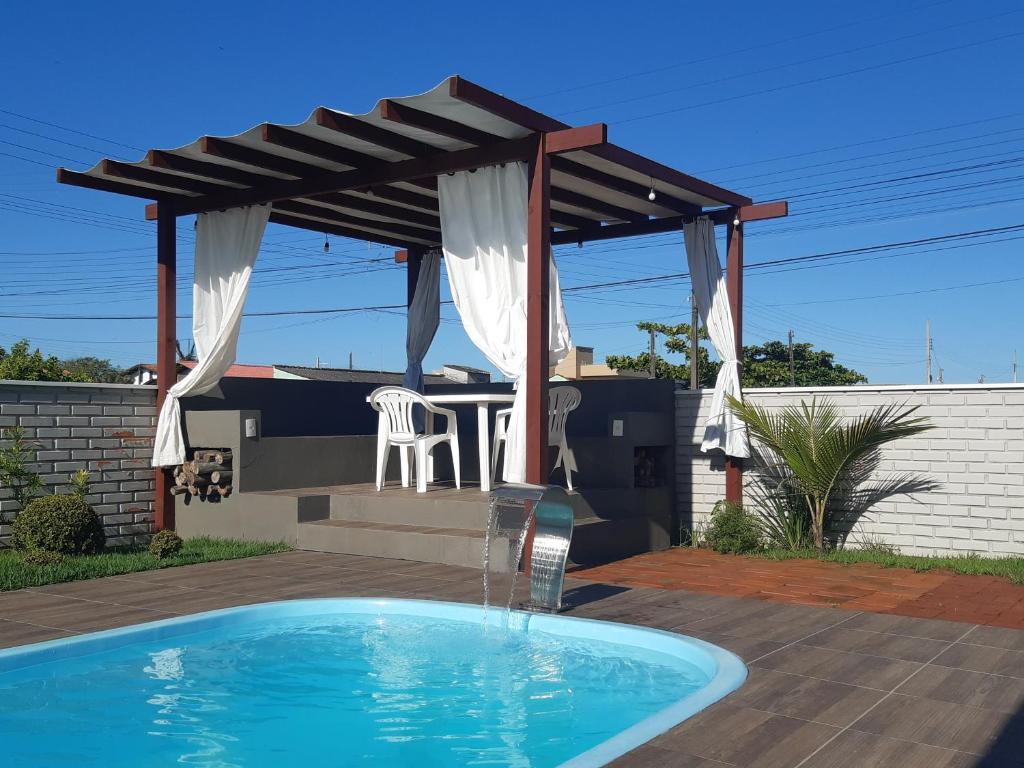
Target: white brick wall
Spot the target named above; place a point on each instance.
(975, 454)
(105, 428)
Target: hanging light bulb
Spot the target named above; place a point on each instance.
(651, 195)
(736, 221)
(327, 244)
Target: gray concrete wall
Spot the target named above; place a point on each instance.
(105, 428)
(974, 454)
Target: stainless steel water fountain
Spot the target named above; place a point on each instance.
(513, 508)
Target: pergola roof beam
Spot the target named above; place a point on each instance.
(471, 93)
(335, 229)
(309, 210)
(371, 134)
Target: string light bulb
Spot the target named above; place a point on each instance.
(736, 221)
(650, 195)
(327, 244)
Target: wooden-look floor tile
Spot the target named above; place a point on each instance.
(941, 724)
(856, 749)
(804, 697)
(840, 666)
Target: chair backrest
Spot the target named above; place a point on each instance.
(561, 401)
(395, 405)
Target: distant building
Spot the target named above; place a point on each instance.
(350, 374)
(579, 364)
(145, 373)
(464, 374)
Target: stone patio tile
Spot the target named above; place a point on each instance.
(840, 666)
(983, 658)
(998, 637)
(804, 697)
(877, 644)
(746, 737)
(17, 633)
(747, 648)
(930, 629)
(973, 689)
(855, 749)
(654, 757)
(941, 724)
(86, 615)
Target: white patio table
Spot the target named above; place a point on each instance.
(482, 401)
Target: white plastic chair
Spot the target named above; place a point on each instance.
(395, 427)
(561, 402)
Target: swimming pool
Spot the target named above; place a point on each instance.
(354, 682)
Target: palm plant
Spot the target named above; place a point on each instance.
(818, 449)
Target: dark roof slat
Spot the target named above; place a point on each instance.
(345, 219)
(148, 176)
(372, 134)
(335, 229)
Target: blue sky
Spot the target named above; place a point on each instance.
(833, 106)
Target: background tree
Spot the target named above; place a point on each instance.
(21, 364)
(677, 341)
(764, 365)
(94, 369)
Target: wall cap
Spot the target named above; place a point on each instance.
(866, 388)
(75, 384)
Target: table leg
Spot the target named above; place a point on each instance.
(485, 447)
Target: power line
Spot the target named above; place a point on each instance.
(816, 80)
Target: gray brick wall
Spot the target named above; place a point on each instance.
(105, 428)
(975, 454)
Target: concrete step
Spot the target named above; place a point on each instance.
(427, 544)
(438, 508)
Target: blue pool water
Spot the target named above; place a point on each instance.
(353, 683)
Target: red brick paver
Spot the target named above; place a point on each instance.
(863, 587)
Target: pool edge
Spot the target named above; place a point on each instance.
(729, 670)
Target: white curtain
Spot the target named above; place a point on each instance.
(226, 246)
(421, 325)
(724, 429)
(483, 228)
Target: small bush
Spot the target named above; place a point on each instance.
(733, 531)
(165, 543)
(41, 557)
(65, 525)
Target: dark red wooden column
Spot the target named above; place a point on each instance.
(538, 273)
(734, 287)
(166, 368)
(538, 280)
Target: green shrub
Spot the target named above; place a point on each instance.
(62, 524)
(165, 543)
(733, 530)
(41, 557)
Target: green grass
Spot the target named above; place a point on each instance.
(1011, 568)
(15, 573)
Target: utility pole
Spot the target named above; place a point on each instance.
(694, 344)
(1015, 366)
(653, 354)
(928, 349)
(792, 363)
(940, 375)
(350, 361)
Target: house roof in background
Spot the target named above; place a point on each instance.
(355, 375)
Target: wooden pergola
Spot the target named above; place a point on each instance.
(374, 177)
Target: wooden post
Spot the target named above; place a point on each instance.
(538, 281)
(734, 288)
(537, 315)
(166, 364)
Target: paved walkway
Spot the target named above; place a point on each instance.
(828, 688)
(943, 595)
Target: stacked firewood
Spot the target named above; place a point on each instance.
(207, 475)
